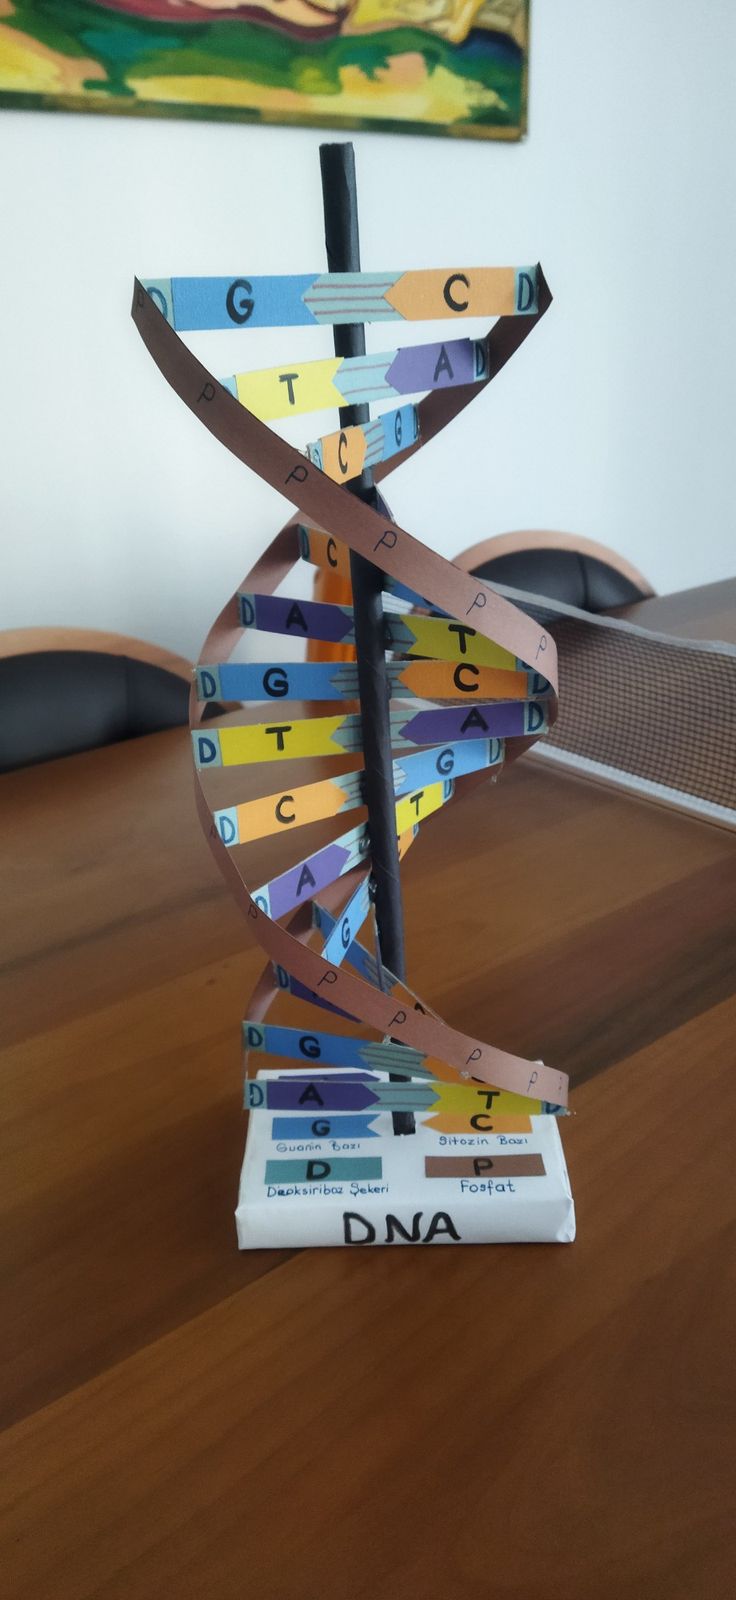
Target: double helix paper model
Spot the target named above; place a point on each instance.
(468, 680)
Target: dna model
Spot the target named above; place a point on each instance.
(412, 692)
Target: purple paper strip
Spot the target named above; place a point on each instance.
(300, 619)
(434, 366)
(309, 1095)
(306, 878)
(499, 720)
(335, 1076)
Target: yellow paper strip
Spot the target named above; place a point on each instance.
(478, 1100)
(290, 390)
(280, 741)
(447, 641)
(414, 807)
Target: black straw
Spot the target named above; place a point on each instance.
(340, 205)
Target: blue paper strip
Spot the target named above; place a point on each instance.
(338, 1169)
(364, 963)
(243, 301)
(348, 925)
(275, 680)
(451, 760)
(299, 1044)
(333, 1050)
(327, 1127)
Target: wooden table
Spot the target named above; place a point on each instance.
(187, 1423)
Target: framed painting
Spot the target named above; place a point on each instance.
(454, 67)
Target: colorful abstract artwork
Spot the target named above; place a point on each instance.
(425, 66)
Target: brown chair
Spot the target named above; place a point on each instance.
(560, 566)
(64, 690)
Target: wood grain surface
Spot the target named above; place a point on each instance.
(524, 1422)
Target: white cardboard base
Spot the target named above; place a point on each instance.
(403, 1205)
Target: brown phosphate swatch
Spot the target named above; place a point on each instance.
(521, 1166)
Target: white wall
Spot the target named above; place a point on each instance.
(616, 420)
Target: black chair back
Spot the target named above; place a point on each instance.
(59, 702)
(576, 578)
